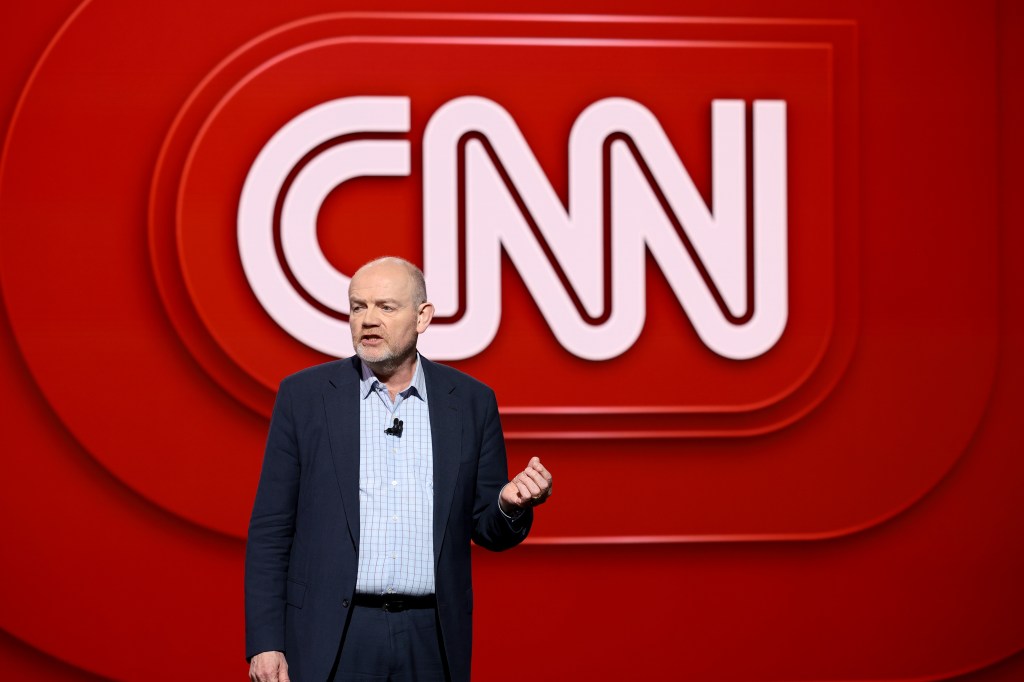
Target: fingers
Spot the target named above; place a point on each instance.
(535, 465)
(522, 487)
(516, 492)
(530, 487)
(269, 666)
(537, 483)
(533, 483)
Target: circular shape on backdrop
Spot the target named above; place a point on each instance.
(226, 126)
(92, 328)
(79, 264)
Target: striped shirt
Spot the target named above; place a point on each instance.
(396, 489)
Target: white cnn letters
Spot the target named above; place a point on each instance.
(606, 317)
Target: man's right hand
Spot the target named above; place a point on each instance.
(269, 666)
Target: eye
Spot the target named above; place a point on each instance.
(387, 308)
(356, 307)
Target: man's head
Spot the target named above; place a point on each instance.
(388, 311)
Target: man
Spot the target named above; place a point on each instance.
(378, 471)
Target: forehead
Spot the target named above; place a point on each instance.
(384, 280)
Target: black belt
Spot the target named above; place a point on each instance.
(395, 602)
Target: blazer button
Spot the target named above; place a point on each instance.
(344, 603)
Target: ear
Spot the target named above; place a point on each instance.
(423, 317)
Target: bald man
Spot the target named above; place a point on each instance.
(378, 471)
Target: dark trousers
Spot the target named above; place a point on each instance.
(396, 647)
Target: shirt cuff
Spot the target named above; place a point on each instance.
(516, 513)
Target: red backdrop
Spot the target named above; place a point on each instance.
(841, 507)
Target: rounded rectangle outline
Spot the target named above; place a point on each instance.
(808, 390)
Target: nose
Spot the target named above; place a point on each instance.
(370, 317)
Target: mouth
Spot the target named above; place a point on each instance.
(370, 340)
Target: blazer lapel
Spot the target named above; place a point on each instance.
(446, 440)
(341, 413)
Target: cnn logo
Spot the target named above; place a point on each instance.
(484, 192)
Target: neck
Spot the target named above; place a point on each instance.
(396, 374)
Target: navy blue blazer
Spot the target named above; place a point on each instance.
(300, 561)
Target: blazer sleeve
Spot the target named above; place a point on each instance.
(271, 529)
(491, 528)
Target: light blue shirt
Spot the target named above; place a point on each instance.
(396, 489)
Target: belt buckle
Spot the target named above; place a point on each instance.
(394, 605)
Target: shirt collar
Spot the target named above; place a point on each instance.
(369, 382)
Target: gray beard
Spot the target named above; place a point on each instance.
(385, 365)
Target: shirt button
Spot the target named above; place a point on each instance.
(394, 555)
(394, 482)
(391, 590)
(395, 517)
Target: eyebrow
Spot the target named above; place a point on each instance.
(378, 301)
